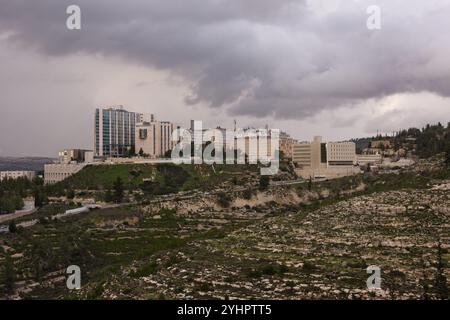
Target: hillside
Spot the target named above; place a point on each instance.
(291, 242)
(156, 179)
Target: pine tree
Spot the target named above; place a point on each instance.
(118, 190)
(9, 276)
(441, 280)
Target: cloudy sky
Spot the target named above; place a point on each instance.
(306, 66)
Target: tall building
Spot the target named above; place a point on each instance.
(115, 131)
(154, 138)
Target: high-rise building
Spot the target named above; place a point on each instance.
(115, 131)
(154, 138)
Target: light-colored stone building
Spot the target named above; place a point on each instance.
(341, 153)
(17, 174)
(75, 155)
(317, 159)
(154, 138)
(364, 159)
(286, 145)
(57, 172)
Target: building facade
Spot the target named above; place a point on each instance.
(286, 145)
(341, 153)
(365, 159)
(57, 172)
(115, 130)
(154, 138)
(75, 155)
(317, 159)
(17, 174)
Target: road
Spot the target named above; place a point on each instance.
(27, 209)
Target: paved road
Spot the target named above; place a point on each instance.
(27, 209)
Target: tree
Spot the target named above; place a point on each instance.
(108, 197)
(440, 279)
(12, 227)
(168, 154)
(223, 200)
(132, 151)
(118, 190)
(447, 156)
(310, 184)
(263, 182)
(9, 275)
(39, 197)
(70, 194)
(247, 194)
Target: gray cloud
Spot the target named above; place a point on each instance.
(255, 57)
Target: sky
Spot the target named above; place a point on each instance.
(308, 67)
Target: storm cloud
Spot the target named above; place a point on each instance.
(280, 58)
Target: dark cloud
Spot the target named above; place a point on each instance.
(280, 58)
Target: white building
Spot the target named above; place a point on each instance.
(17, 174)
(365, 159)
(154, 138)
(326, 160)
(341, 153)
(57, 172)
(75, 155)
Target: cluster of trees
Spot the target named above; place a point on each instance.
(171, 180)
(430, 140)
(116, 195)
(10, 203)
(12, 191)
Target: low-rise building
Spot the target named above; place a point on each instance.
(57, 172)
(75, 155)
(317, 159)
(365, 159)
(17, 174)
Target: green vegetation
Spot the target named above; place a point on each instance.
(264, 182)
(11, 193)
(223, 199)
(151, 179)
(118, 190)
(10, 203)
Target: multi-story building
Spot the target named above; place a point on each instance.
(341, 153)
(327, 160)
(17, 174)
(309, 154)
(365, 159)
(75, 155)
(286, 144)
(57, 172)
(154, 138)
(115, 130)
